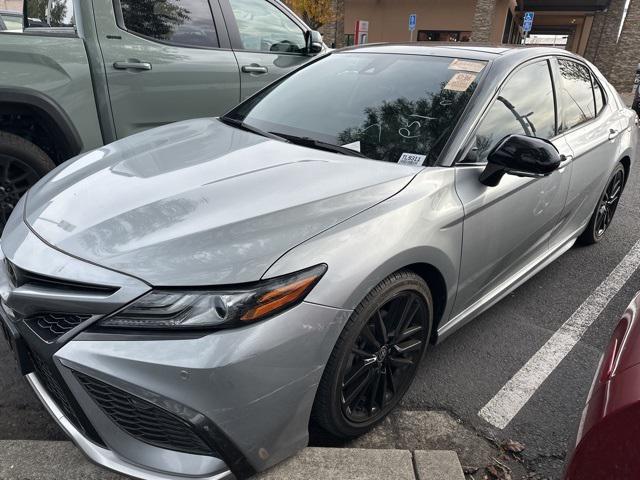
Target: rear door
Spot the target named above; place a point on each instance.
(166, 60)
(507, 227)
(591, 128)
(268, 40)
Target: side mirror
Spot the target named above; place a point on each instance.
(521, 156)
(314, 42)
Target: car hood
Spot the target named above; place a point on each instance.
(201, 203)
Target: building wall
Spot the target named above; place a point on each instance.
(389, 19)
(15, 5)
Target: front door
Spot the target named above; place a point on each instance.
(165, 62)
(507, 227)
(267, 40)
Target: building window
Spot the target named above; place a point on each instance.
(443, 36)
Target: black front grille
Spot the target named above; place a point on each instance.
(61, 397)
(50, 326)
(144, 420)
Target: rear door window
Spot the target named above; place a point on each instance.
(576, 94)
(187, 23)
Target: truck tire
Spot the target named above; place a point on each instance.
(22, 164)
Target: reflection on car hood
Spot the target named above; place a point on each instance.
(201, 203)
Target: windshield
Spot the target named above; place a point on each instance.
(389, 107)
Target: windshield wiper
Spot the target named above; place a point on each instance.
(250, 128)
(313, 143)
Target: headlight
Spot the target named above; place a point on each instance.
(216, 308)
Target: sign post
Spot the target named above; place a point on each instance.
(413, 20)
(527, 24)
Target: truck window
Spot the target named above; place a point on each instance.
(263, 27)
(187, 23)
(50, 14)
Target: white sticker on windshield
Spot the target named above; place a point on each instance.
(460, 82)
(466, 65)
(353, 146)
(412, 159)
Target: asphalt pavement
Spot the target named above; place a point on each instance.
(463, 373)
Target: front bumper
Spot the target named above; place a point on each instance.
(248, 392)
(95, 453)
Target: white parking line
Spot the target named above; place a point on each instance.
(501, 409)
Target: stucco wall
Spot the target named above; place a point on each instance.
(389, 19)
(15, 5)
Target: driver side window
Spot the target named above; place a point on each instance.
(263, 27)
(524, 106)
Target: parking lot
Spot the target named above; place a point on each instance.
(465, 372)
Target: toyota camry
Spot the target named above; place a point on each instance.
(187, 300)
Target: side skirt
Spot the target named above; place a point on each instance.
(506, 287)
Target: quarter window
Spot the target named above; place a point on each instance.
(264, 27)
(186, 23)
(598, 94)
(576, 93)
(524, 106)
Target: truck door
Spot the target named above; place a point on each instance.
(166, 60)
(269, 41)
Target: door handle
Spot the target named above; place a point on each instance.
(255, 68)
(132, 66)
(613, 133)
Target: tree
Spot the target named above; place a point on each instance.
(38, 9)
(315, 13)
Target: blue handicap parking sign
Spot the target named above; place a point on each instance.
(528, 21)
(412, 22)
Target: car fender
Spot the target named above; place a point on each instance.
(421, 225)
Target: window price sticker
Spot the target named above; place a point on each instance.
(412, 159)
(460, 82)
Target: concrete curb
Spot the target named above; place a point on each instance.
(45, 460)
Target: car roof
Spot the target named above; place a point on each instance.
(466, 50)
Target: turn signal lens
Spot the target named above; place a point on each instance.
(281, 298)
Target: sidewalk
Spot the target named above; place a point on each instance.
(42, 460)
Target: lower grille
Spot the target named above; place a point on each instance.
(50, 326)
(144, 420)
(60, 396)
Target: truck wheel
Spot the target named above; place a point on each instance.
(21, 165)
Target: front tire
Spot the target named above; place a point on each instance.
(606, 208)
(376, 357)
(22, 164)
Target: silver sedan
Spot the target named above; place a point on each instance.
(184, 301)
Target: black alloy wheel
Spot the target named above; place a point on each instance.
(376, 357)
(606, 208)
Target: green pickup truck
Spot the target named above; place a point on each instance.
(82, 73)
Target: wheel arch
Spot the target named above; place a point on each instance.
(435, 280)
(61, 135)
(626, 163)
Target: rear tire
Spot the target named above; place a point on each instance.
(605, 209)
(376, 356)
(21, 165)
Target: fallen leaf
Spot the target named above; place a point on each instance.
(513, 446)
